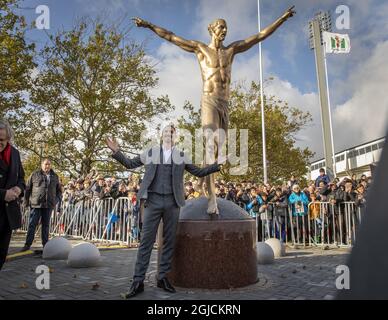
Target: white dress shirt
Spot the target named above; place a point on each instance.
(166, 154)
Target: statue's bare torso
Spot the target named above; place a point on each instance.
(216, 70)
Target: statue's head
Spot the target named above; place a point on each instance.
(218, 29)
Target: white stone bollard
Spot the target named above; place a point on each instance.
(57, 248)
(278, 247)
(84, 255)
(265, 253)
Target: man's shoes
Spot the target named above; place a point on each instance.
(24, 249)
(166, 285)
(136, 288)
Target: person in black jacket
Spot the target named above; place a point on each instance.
(349, 195)
(280, 211)
(242, 198)
(42, 191)
(11, 189)
(231, 193)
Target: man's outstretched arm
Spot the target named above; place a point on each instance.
(244, 45)
(202, 172)
(127, 162)
(188, 45)
(120, 157)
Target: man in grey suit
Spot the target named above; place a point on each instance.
(163, 191)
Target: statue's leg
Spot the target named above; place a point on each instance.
(212, 199)
(201, 187)
(212, 121)
(211, 151)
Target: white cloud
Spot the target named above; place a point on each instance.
(179, 76)
(365, 115)
(311, 136)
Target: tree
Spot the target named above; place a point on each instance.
(282, 124)
(92, 83)
(16, 61)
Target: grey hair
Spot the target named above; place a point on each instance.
(6, 126)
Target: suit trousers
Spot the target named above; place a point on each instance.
(5, 237)
(157, 207)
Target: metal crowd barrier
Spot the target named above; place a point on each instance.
(325, 224)
(102, 220)
(114, 220)
(269, 225)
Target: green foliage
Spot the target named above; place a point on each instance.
(30, 164)
(16, 61)
(282, 124)
(92, 83)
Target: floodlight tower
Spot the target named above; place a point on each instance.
(320, 23)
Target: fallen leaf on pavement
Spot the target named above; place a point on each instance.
(95, 286)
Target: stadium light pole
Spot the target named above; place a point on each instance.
(322, 22)
(262, 101)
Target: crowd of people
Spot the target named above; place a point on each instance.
(255, 197)
(97, 186)
(249, 195)
(273, 202)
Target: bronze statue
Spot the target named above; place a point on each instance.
(216, 65)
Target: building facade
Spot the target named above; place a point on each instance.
(359, 160)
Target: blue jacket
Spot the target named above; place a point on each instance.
(324, 178)
(250, 205)
(294, 197)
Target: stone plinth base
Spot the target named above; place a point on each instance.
(214, 252)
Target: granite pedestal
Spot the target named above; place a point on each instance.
(214, 252)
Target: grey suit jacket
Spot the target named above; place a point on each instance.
(151, 157)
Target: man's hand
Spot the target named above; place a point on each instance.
(289, 13)
(10, 195)
(112, 144)
(141, 23)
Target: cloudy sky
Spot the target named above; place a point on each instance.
(358, 81)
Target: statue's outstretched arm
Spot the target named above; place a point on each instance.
(244, 45)
(188, 45)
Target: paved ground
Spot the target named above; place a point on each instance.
(302, 274)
